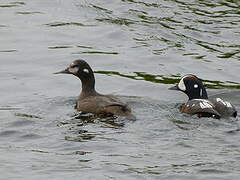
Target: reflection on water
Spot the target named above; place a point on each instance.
(173, 79)
(118, 21)
(96, 52)
(78, 122)
(56, 24)
(12, 4)
(9, 108)
(27, 116)
(196, 27)
(59, 47)
(28, 13)
(8, 51)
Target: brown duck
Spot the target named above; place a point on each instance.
(90, 101)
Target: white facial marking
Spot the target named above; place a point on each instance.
(73, 70)
(181, 85)
(195, 86)
(86, 70)
(225, 103)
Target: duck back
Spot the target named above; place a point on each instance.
(104, 105)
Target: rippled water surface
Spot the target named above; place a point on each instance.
(138, 48)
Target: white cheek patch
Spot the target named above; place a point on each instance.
(225, 103)
(86, 70)
(74, 70)
(181, 85)
(195, 86)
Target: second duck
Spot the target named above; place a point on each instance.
(199, 103)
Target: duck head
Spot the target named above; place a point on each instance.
(83, 71)
(192, 86)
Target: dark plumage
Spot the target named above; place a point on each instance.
(199, 103)
(90, 101)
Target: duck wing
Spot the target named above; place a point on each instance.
(201, 107)
(225, 108)
(104, 105)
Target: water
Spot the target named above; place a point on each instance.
(138, 49)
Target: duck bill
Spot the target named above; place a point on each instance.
(65, 71)
(174, 87)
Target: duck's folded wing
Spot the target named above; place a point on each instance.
(112, 105)
(105, 105)
(225, 108)
(200, 107)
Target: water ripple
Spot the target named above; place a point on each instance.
(59, 24)
(149, 44)
(207, 18)
(173, 79)
(12, 4)
(28, 12)
(96, 52)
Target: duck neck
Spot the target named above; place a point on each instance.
(202, 94)
(88, 86)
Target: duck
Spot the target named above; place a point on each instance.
(89, 100)
(198, 102)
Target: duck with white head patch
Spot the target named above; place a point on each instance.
(90, 101)
(199, 103)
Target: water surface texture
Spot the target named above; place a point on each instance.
(138, 49)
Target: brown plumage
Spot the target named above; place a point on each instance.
(90, 101)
